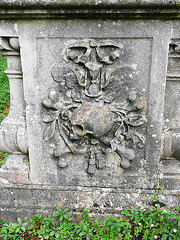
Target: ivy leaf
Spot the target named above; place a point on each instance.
(49, 132)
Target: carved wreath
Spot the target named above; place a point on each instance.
(85, 108)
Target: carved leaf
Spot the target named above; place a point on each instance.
(109, 97)
(50, 116)
(71, 79)
(136, 121)
(118, 81)
(58, 73)
(49, 132)
(67, 76)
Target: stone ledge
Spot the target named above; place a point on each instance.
(102, 9)
(26, 202)
(89, 3)
(84, 189)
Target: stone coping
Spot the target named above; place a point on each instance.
(84, 189)
(96, 9)
(89, 3)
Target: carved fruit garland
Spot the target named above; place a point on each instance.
(85, 107)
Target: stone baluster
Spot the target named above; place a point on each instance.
(171, 143)
(13, 136)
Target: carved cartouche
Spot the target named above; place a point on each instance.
(86, 108)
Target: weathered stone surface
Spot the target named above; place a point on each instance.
(52, 41)
(123, 3)
(25, 201)
(170, 168)
(88, 97)
(91, 9)
(16, 170)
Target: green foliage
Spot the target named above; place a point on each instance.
(153, 223)
(3, 157)
(85, 215)
(61, 214)
(47, 229)
(34, 224)
(65, 230)
(4, 98)
(4, 87)
(13, 230)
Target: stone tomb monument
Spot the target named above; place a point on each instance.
(94, 116)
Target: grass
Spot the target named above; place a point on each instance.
(4, 98)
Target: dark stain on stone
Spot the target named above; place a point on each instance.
(107, 205)
(96, 205)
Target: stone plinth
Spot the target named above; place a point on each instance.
(94, 118)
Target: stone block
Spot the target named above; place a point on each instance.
(94, 116)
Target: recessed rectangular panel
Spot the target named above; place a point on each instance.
(94, 108)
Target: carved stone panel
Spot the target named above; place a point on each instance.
(94, 95)
(94, 109)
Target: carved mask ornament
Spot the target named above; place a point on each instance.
(86, 109)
